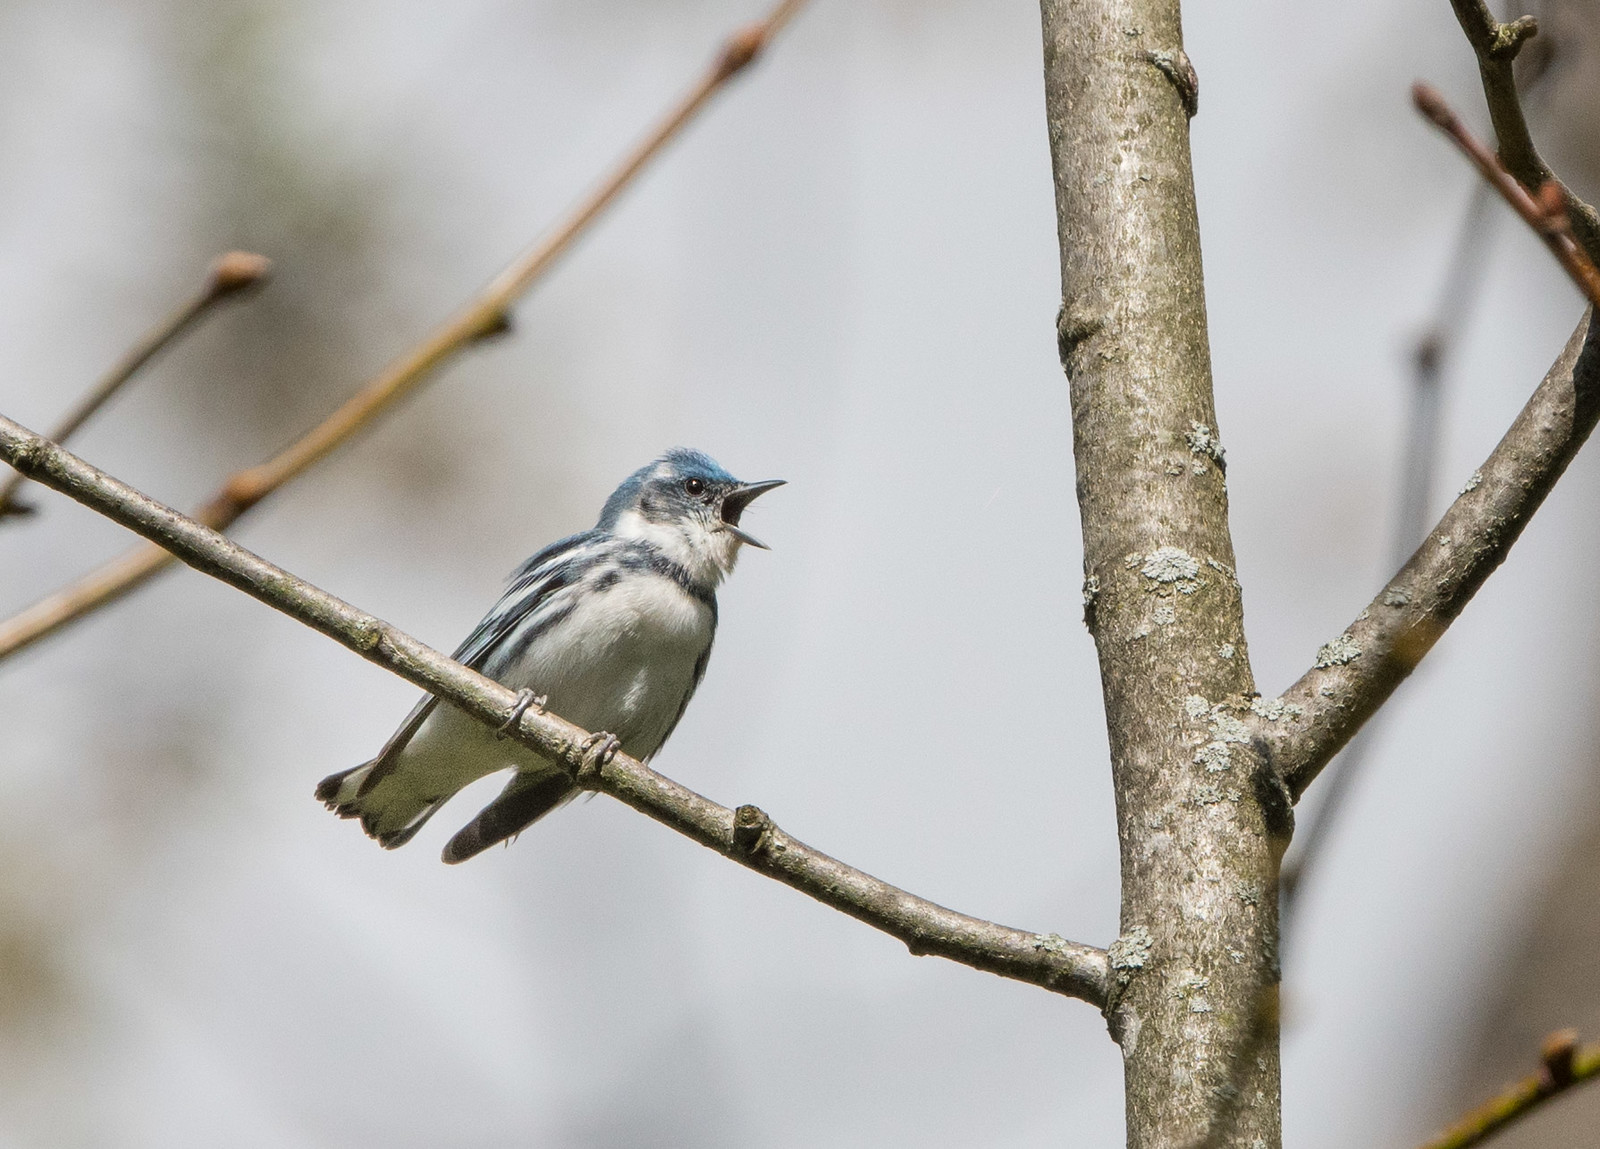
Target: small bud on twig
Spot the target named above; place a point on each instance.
(237, 271)
(1557, 1052)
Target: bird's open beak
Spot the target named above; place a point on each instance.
(734, 503)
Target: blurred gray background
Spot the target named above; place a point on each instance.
(844, 276)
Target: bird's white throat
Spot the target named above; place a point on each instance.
(706, 553)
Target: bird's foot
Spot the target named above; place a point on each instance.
(598, 751)
(525, 699)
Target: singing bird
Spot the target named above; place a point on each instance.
(611, 629)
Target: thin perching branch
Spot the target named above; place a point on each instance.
(1562, 1065)
(485, 315)
(232, 274)
(1549, 215)
(1497, 46)
(745, 835)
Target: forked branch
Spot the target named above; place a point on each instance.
(1355, 673)
(1497, 46)
(232, 274)
(746, 836)
(485, 315)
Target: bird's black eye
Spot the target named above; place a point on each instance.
(694, 486)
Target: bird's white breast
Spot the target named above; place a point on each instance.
(623, 660)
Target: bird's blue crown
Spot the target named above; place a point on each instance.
(674, 486)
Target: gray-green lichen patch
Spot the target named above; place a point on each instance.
(1275, 709)
(1474, 481)
(1396, 596)
(1339, 652)
(1091, 591)
(1052, 943)
(1172, 566)
(1165, 615)
(1204, 443)
(1227, 728)
(1196, 707)
(1131, 950)
(1208, 794)
(1215, 757)
(1226, 650)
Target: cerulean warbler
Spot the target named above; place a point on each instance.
(611, 629)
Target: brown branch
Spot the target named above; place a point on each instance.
(485, 315)
(1563, 1065)
(1497, 46)
(1357, 672)
(231, 275)
(746, 835)
(1548, 215)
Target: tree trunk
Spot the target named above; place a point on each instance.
(1200, 822)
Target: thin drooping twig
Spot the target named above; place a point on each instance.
(1562, 1065)
(1497, 46)
(745, 835)
(1463, 278)
(1357, 671)
(485, 315)
(232, 274)
(1549, 215)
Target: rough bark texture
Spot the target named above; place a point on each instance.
(1201, 825)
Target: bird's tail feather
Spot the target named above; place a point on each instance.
(338, 791)
(348, 795)
(526, 798)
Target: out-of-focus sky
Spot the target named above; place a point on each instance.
(844, 276)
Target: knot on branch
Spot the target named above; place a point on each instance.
(25, 455)
(1071, 330)
(741, 50)
(495, 324)
(1509, 38)
(243, 491)
(1177, 68)
(1556, 1055)
(751, 829)
(366, 634)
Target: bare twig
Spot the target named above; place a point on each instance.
(1497, 46)
(1357, 672)
(1548, 211)
(231, 275)
(746, 835)
(1562, 1065)
(485, 315)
